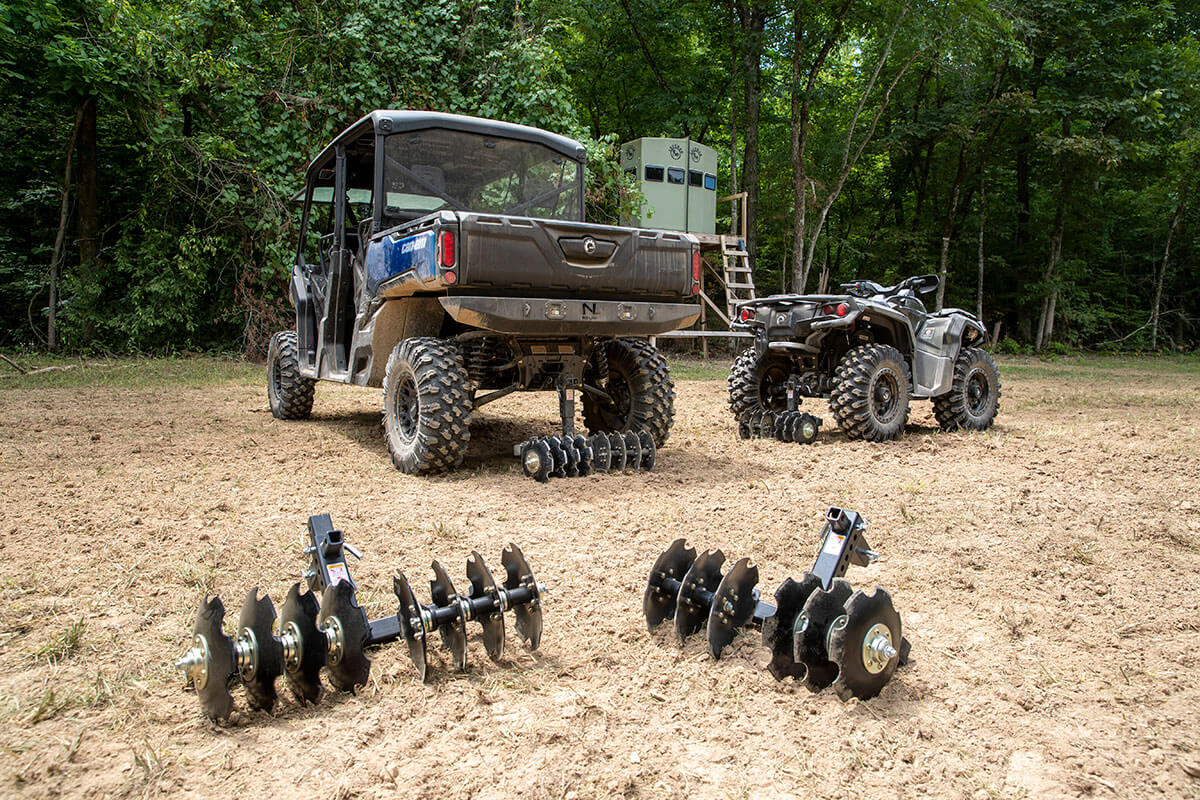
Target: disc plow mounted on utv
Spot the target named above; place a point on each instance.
(333, 634)
(869, 351)
(820, 630)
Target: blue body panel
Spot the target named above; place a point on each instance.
(395, 255)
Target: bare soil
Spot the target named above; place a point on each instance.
(1046, 573)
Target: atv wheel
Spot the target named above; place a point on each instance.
(639, 383)
(974, 396)
(289, 393)
(758, 384)
(426, 406)
(870, 393)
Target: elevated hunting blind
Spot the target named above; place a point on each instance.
(679, 180)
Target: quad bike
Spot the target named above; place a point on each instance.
(870, 351)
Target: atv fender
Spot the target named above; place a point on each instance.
(938, 343)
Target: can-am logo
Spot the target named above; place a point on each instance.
(409, 246)
(589, 246)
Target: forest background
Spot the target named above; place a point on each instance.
(1043, 156)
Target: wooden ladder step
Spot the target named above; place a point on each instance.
(739, 285)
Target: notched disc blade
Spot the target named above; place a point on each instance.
(409, 616)
(258, 616)
(454, 633)
(821, 609)
(777, 629)
(619, 458)
(214, 696)
(353, 667)
(300, 613)
(658, 603)
(649, 451)
(528, 616)
(601, 452)
(484, 585)
(560, 457)
(572, 454)
(704, 575)
(848, 645)
(733, 605)
(633, 450)
(584, 451)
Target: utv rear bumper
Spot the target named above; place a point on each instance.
(540, 316)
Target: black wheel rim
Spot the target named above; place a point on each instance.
(276, 377)
(772, 388)
(885, 396)
(406, 408)
(978, 392)
(622, 399)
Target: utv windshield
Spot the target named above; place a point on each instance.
(434, 169)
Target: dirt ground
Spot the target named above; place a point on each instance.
(1046, 573)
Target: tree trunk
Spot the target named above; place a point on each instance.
(982, 225)
(1160, 277)
(64, 213)
(1046, 323)
(799, 176)
(948, 226)
(753, 22)
(89, 216)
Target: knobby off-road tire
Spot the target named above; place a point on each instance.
(426, 406)
(871, 392)
(758, 384)
(974, 396)
(289, 393)
(641, 387)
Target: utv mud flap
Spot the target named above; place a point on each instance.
(539, 316)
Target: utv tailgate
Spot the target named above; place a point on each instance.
(539, 316)
(515, 254)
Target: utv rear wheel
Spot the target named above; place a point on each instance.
(974, 396)
(289, 393)
(758, 384)
(634, 374)
(870, 393)
(426, 406)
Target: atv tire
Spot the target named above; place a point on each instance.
(758, 384)
(871, 390)
(640, 384)
(974, 396)
(289, 393)
(426, 406)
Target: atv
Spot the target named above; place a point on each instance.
(445, 259)
(870, 351)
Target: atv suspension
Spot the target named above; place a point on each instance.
(819, 630)
(574, 456)
(791, 425)
(334, 633)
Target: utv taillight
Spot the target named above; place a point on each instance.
(449, 278)
(842, 309)
(695, 272)
(746, 314)
(447, 248)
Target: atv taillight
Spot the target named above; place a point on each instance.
(447, 248)
(449, 278)
(842, 309)
(746, 314)
(695, 272)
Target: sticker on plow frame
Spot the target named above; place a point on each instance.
(338, 573)
(833, 544)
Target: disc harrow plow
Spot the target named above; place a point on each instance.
(820, 630)
(574, 456)
(334, 633)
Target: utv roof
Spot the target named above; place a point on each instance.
(386, 121)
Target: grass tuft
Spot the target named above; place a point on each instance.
(63, 644)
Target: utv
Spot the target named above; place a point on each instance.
(869, 351)
(446, 259)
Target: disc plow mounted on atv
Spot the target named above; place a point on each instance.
(573, 456)
(334, 633)
(791, 425)
(820, 630)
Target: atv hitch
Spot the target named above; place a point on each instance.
(819, 630)
(334, 633)
(574, 456)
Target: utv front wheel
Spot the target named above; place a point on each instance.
(635, 376)
(758, 384)
(289, 393)
(426, 406)
(974, 396)
(870, 393)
